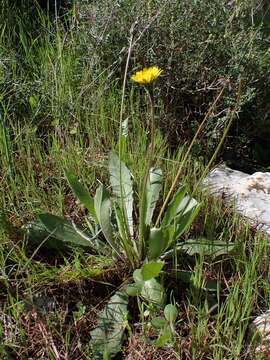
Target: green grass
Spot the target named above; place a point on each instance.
(59, 109)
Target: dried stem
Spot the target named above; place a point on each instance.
(176, 179)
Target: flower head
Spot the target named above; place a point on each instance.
(147, 75)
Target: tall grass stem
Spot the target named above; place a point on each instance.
(183, 162)
(225, 133)
(5, 141)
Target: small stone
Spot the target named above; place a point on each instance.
(262, 324)
(250, 193)
(260, 333)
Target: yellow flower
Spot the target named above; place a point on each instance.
(147, 75)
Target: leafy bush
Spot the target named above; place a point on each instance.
(201, 45)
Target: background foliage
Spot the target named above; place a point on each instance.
(201, 46)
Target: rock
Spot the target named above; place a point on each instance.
(260, 333)
(250, 193)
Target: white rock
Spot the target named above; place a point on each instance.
(260, 333)
(262, 324)
(250, 193)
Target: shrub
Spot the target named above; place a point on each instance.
(200, 45)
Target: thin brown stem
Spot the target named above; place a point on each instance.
(176, 179)
(227, 128)
(123, 91)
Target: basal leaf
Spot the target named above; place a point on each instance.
(153, 292)
(158, 322)
(187, 211)
(133, 289)
(170, 313)
(200, 246)
(206, 247)
(81, 193)
(153, 188)
(63, 231)
(151, 269)
(103, 211)
(164, 337)
(137, 276)
(158, 241)
(122, 186)
(37, 234)
(173, 206)
(107, 337)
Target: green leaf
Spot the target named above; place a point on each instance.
(170, 313)
(137, 276)
(133, 289)
(37, 234)
(158, 322)
(158, 241)
(107, 337)
(164, 338)
(103, 211)
(181, 212)
(62, 230)
(186, 204)
(151, 269)
(81, 193)
(173, 206)
(204, 246)
(153, 188)
(122, 186)
(200, 246)
(187, 211)
(153, 292)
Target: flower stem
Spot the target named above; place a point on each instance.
(152, 128)
(149, 160)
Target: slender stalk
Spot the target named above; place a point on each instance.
(5, 141)
(123, 94)
(149, 160)
(176, 179)
(152, 127)
(225, 133)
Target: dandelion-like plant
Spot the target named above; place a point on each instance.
(147, 75)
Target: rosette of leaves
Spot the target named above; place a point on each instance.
(113, 231)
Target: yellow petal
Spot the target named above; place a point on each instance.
(147, 75)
